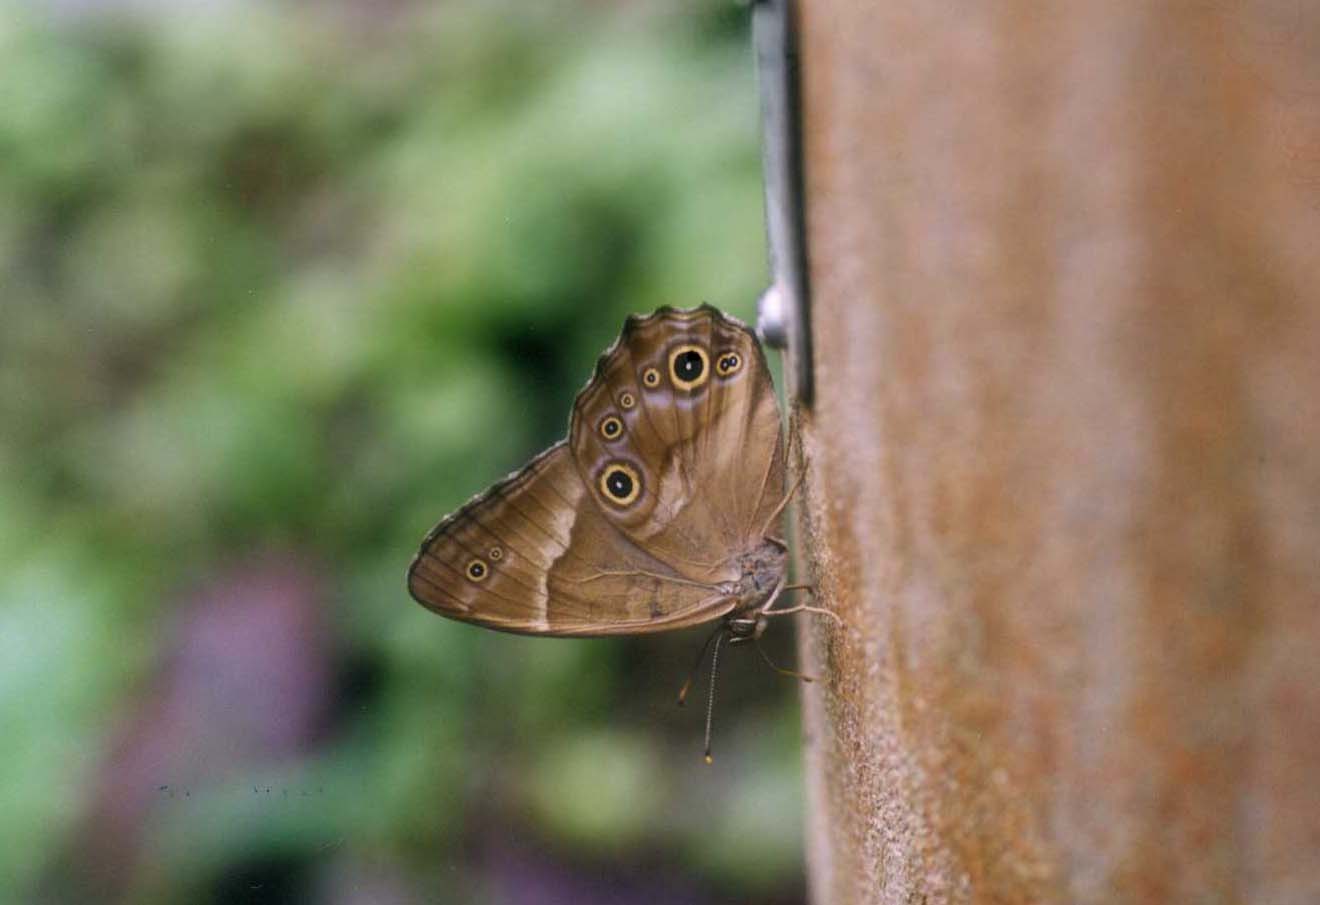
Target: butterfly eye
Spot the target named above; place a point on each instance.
(496, 554)
(627, 400)
(620, 484)
(477, 570)
(611, 428)
(651, 377)
(728, 364)
(688, 367)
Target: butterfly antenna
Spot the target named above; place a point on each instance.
(692, 673)
(710, 701)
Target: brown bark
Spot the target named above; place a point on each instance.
(1064, 458)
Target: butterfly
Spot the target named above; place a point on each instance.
(659, 511)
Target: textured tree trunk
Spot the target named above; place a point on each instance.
(1064, 456)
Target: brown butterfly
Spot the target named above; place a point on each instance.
(659, 511)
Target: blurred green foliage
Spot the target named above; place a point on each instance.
(304, 278)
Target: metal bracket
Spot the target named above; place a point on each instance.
(783, 312)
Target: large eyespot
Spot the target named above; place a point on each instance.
(620, 484)
(611, 428)
(689, 366)
(477, 570)
(627, 400)
(728, 364)
(496, 554)
(651, 377)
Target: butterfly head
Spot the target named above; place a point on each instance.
(745, 628)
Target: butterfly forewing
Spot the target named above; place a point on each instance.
(707, 439)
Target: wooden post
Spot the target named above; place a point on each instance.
(1064, 456)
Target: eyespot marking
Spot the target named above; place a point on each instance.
(611, 427)
(728, 364)
(477, 570)
(651, 378)
(627, 400)
(620, 484)
(689, 366)
(496, 554)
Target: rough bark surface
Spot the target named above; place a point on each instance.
(1063, 467)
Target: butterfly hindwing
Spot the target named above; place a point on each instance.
(535, 555)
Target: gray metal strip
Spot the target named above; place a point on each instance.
(783, 313)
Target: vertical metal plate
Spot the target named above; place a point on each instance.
(783, 319)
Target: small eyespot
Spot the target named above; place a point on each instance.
(496, 554)
(651, 377)
(611, 428)
(620, 484)
(688, 366)
(728, 364)
(477, 570)
(627, 400)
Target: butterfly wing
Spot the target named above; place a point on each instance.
(534, 554)
(700, 428)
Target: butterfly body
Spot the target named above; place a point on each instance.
(763, 572)
(657, 512)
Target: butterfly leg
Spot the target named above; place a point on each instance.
(779, 510)
(779, 669)
(797, 482)
(802, 607)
